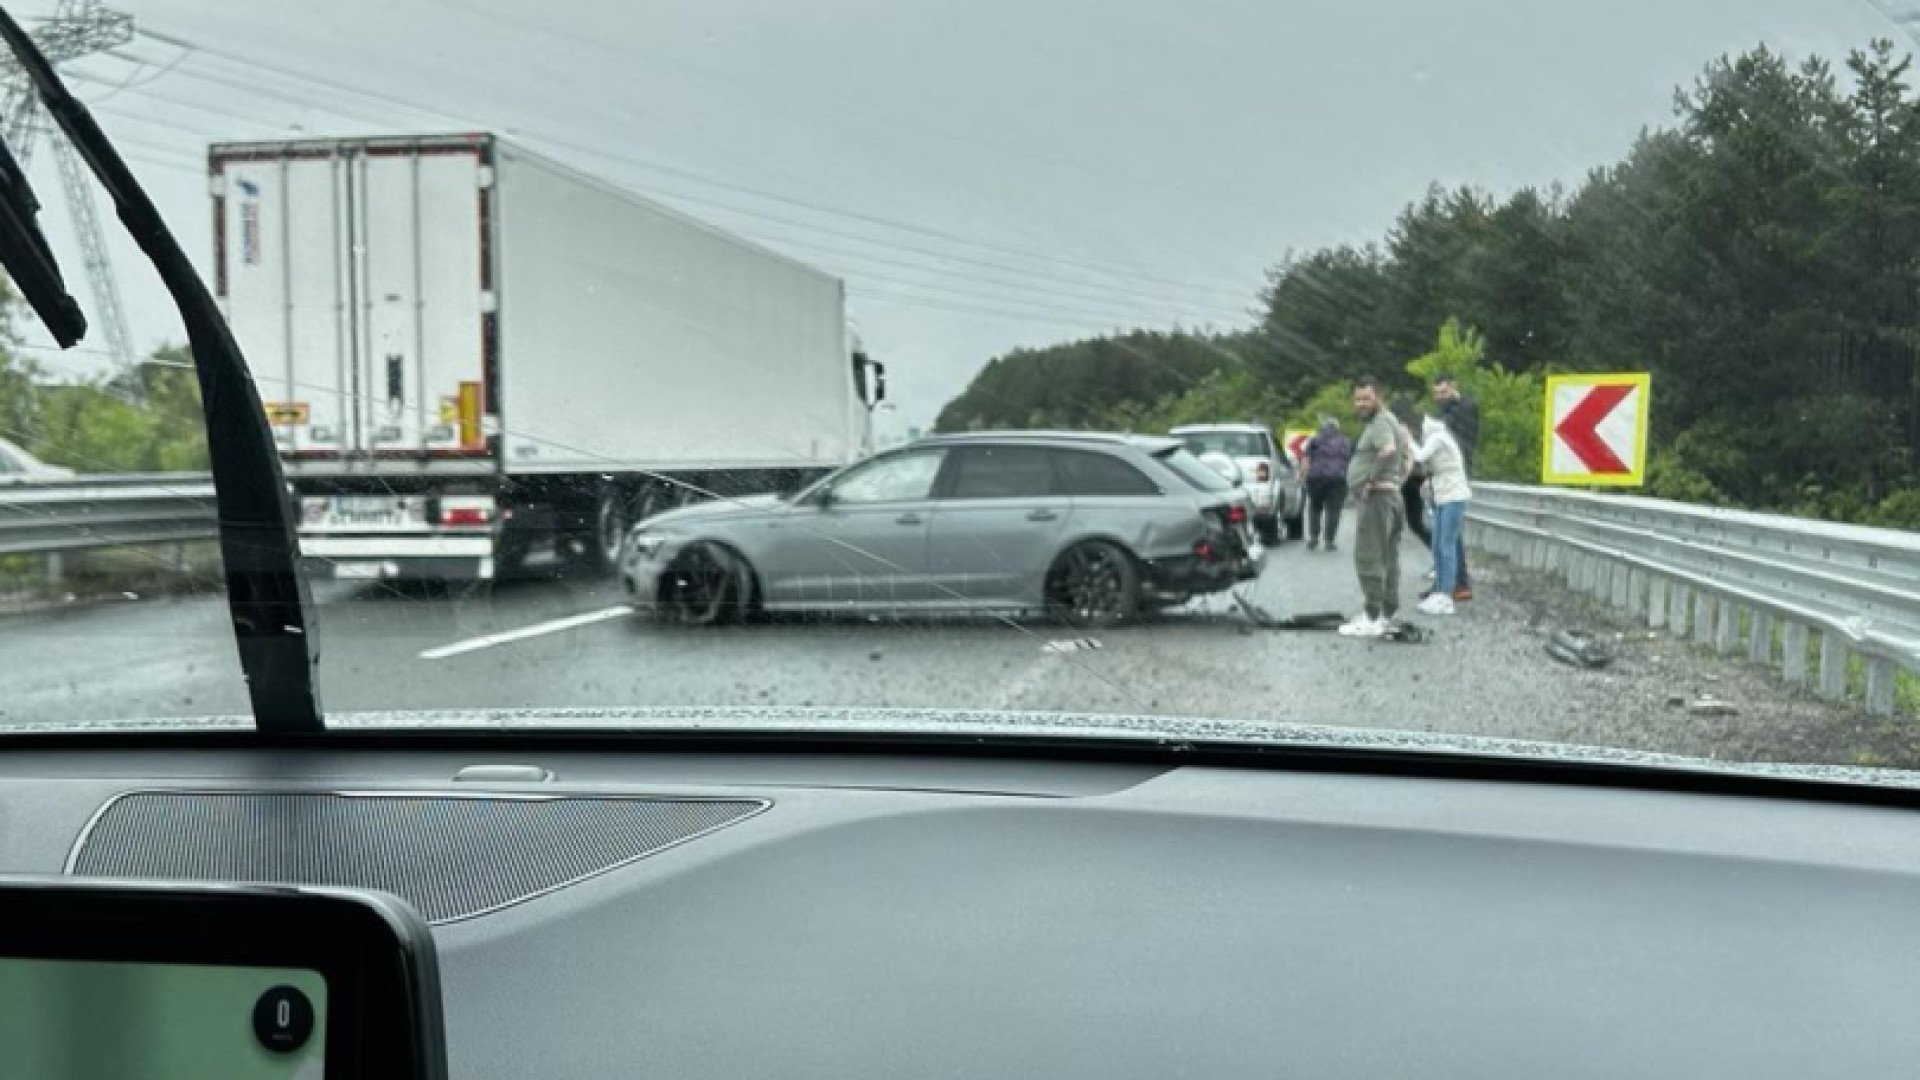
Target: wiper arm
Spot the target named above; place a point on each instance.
(267, 596)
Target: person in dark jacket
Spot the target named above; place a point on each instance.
(1412, 499)
(1462, 416)
(1328, 453)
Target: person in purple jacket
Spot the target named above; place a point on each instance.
(1327, 454)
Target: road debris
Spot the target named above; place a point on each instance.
(1580, 649)
(1711, 706)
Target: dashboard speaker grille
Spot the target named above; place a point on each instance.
(450, 857)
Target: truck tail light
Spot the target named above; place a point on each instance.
(461, 511)
(1236, 514)
(1263, 472)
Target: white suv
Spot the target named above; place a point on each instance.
(1265, 471)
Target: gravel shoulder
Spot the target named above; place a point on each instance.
(1640, 700)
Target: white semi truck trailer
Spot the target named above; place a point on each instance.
(470, 353)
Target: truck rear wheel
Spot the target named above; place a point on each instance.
(610, 524)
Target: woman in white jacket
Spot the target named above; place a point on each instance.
(1440, 455)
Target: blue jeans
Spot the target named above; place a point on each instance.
(1448, 521)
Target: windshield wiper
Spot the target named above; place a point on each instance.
(266, 594)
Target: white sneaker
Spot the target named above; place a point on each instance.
(1437, 604)
(1361, 626)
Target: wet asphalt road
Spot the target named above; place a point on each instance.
(566, 643)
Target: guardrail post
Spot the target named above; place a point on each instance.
(1677, 603)
(1726, 637)
(1833, 666)
(1656, 603)
(56, 567)
(1793, 652)
(1760, 637)
(1702, 619)
(1637, 594)
(1623, 587)
(1879, 686)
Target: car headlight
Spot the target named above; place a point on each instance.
(644, 544)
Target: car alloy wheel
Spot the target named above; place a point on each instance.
(707, 586)
(1096, 585)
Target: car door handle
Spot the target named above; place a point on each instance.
(907, 519)
(1042, 515)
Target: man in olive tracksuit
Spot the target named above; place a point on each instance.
(1380, 462)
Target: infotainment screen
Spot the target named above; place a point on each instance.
(68, 1020)
(145, 980)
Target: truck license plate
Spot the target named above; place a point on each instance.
(368, 510)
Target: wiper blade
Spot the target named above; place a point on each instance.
(28, 259)
(266, 594)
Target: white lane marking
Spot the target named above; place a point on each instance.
(1071, 645)
(552, 626)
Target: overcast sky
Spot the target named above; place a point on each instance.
(985, 174)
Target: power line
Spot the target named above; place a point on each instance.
(1076, 302)
(1117, 290)
(1087, 326)
(780, 95)
(304, 102)
(1122, 301)
(688, 174)
(1191, 309)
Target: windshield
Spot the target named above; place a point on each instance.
(1594, 340)
(1236, 444)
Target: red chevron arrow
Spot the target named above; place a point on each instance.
(1578, 428)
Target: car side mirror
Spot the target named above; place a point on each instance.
(823, 499)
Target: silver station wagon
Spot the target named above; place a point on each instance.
(1087, 527)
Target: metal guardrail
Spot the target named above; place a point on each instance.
(1737, 581)
(73, 514)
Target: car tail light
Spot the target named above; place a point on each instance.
(1263, 472)
(1205, 551)
(1236, 514)
(466, 511)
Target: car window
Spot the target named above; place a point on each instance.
(1089, 472)
(1231, 443)
(1000, 472)
(1194, 471)
(900, 478)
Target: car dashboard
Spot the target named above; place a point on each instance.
(837, 915)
